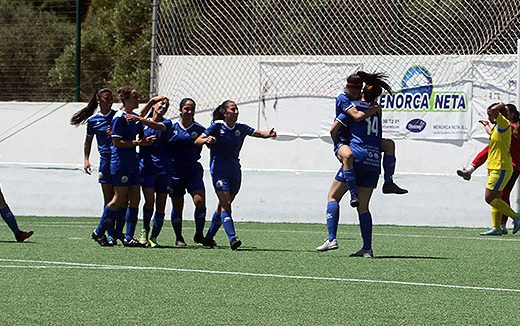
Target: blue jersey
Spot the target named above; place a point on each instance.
(155, 158)
(343, 103)
(124, 159)
(365, 137)
(181, 144)
(97, 125)
(225, 151)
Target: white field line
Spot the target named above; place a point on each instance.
(68, 265)
(425, 236)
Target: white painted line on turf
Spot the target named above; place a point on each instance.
(68, 265)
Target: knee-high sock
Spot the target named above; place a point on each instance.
(120, 221)
(332, 219)
(506, 194)
(389, 167)
(105, 223)
(147, 217)
(227, 222)
(216, 221)
(496, 218)
(200, 220)
(131, 222)
(365, 225)
(177, 224)
(349, 175)
(9, 219)
(503, 208)
(158, 221)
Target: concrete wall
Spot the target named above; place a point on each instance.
(283, 181)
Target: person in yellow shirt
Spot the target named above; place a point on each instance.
(500, 169)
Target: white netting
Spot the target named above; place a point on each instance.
(214, 50)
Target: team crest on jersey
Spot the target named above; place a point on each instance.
(220, 183)
(124, 179)
(194, 135)
(237, 133)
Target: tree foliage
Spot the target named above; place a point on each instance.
(115, 49)
(30, 42)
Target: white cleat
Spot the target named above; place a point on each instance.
(328, 245)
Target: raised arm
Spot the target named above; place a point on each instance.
(487, 126)
(146, 109)
(147, 122)
(265, 134)
(358, 115)
(204, 139)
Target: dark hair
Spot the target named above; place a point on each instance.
(218, 113)
(512, 113)
(185, 100)
(125, 92)
(371, 92)
(354, 80)
(375, 79)
(82, 115)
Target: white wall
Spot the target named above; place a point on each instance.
(41, 174)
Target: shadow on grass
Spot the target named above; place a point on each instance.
(14, 241)
(189, 247)
(407, 257)
(269, 249)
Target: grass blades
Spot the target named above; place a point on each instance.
(420, 276)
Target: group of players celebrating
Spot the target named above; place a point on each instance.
(168, 163)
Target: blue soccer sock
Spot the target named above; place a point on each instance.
(227, 222)
(120, 221)
(215, 224)
(158, 221)
(349, 175)
(389, 167)
(365, 225)
(177, 224)
(103, 222)
(9, 219)
(200, 220)
(131, 222)
(147, 217)
(332, 219)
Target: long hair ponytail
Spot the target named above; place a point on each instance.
(82, 115)
(375, 79)
(218, 113)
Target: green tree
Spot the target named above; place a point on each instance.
(30, 42)
(115, 49)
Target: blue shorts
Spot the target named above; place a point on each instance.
(189, 180)
(227, 182)
(104, 176)
(159, 182)
(364, 177)
(126, 179)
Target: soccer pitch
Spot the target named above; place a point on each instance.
(420, 276)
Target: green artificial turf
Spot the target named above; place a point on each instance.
(420, 276)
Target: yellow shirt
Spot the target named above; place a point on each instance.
(499, 155)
